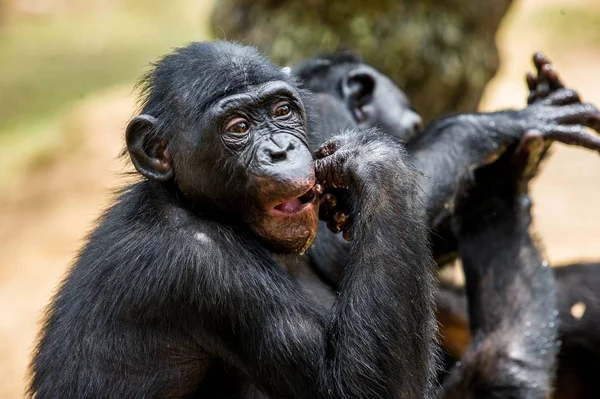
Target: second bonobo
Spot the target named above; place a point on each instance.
(446, 150)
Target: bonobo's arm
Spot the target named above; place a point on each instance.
(378, 341)
(510, 290)
(450, 149)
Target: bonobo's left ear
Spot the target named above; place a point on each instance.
(148, 152)
(357, 88)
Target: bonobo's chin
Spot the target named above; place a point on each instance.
(290, 227)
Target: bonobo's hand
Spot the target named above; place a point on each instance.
(520, 163)
(547, 95)
(449, 150)
(353, 165)
(556, 113)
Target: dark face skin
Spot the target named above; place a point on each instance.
(372, 98)
(248, 155)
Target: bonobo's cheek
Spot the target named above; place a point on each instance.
(292, 233)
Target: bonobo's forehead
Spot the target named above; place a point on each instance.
(198, 75)
(257, 94)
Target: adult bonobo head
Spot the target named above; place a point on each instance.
(226, 130)
(370, 96)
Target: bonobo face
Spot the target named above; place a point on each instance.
(227, 129)
(370, 96)
(263, 132)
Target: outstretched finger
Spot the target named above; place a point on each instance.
(531, 81)
(539, 60)
(579, 114)
(551, 76)
(562, 97)
(573, 135)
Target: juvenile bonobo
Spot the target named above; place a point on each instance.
(178, 291)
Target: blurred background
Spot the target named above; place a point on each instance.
(68, 68)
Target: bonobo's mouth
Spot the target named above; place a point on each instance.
(296, 205)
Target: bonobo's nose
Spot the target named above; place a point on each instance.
(284, 156)
(279, 147)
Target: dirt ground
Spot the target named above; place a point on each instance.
(46, 214)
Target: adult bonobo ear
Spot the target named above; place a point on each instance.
(148, 152)
(357, 89)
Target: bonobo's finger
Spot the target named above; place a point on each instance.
(347, 232)
(551, 76)
(329, 148)
(327, 205)
(542, 90)
(573, 135)
(333, 227)
(539, 60)
(337, 222)
(339, 218)
(579, 114)
(529, 153)
(531, 81)
(325, 150)
(329, 171)
(562, 97)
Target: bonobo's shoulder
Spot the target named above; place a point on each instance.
(146, 226)
(149, 207)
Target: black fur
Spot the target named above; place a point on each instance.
(175, 295)
(447, 152)
(576, 285)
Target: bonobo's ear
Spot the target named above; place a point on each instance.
(357, 88)
(148, 152)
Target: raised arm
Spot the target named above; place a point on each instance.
(510, 290)
(450, 149)
(378, 341)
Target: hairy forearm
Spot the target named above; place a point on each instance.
(511, 299)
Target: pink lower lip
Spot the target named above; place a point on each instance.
(295, 205)
(290, 206)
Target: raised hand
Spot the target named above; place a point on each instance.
(452, 148)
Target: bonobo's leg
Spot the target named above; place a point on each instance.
(578, 302)
(510, 290)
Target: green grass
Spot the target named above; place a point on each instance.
(49, 63)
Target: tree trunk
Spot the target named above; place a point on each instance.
(441, 53)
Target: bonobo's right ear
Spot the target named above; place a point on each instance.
(148, 152)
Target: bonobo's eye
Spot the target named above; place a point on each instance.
(282, 109)
(238, 126)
